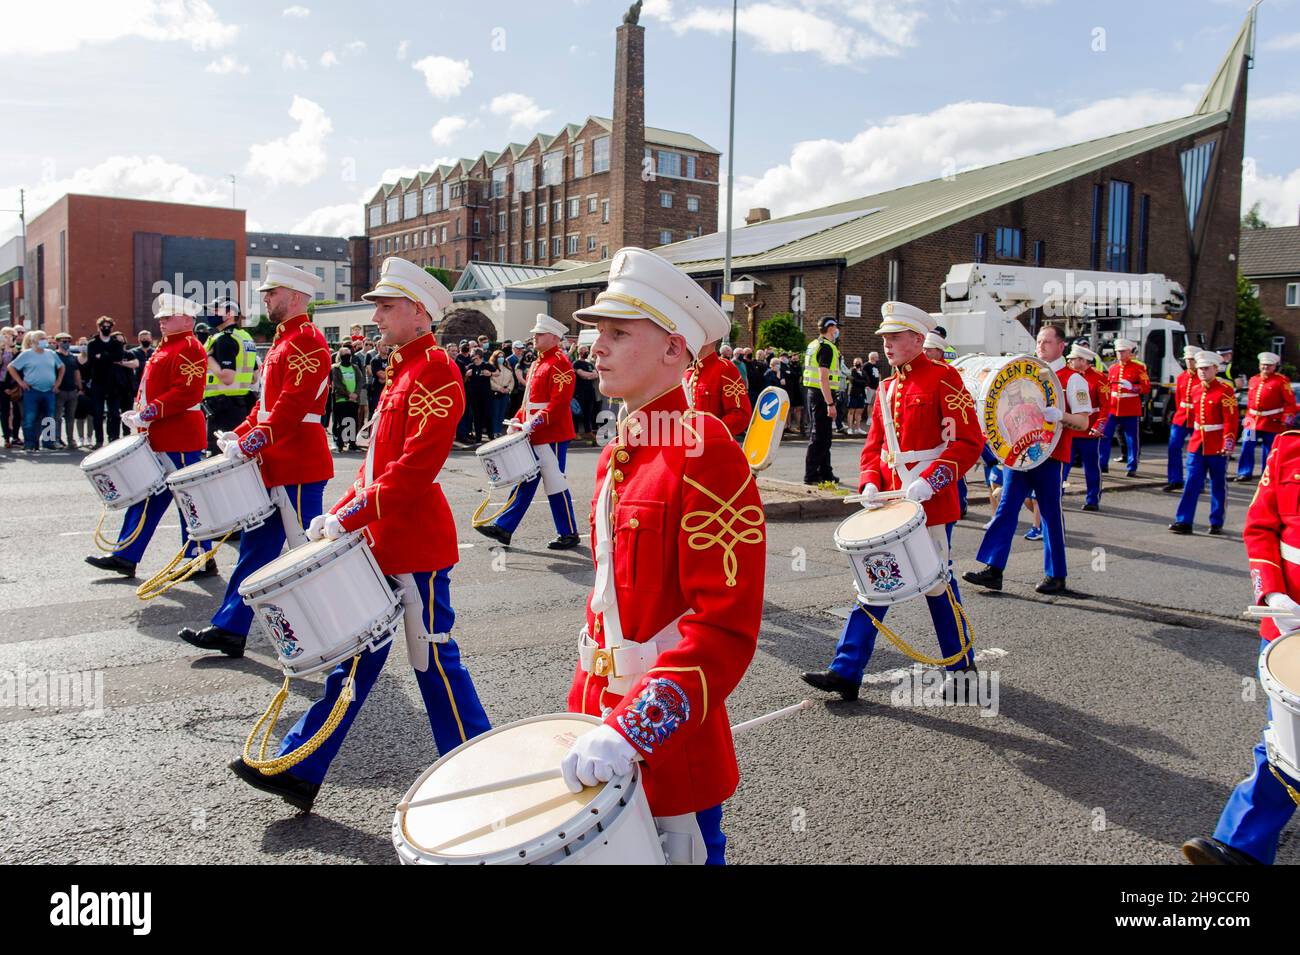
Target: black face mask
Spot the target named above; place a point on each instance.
(105, 330)
(345, 359)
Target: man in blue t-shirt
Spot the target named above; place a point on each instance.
(38, 372)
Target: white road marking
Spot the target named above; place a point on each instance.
(893, 676)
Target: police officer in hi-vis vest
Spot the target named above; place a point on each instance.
(821, 380)
(232, 372)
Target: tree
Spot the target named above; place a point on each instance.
(311, 306)
(781, 332)
(1252, 219)
(1253, 331)
(442, 275)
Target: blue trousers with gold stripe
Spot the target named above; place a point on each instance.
(1197, 466)
(561, 504)
(259, 547)
(450, 699)
(151, 510)
(1045, 483)
(1246, 463)
(858, 639)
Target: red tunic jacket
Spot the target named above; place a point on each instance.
(170, 390)
(402, 507)
(1213, 404)
(716, 387)
(925, 396)
(1272, 521)
(1063, 375)
(1269, 394)
(1126, 403)
(294, 381)
(688, 533)
(1099, 393)
(551, 381)
(1182, 398)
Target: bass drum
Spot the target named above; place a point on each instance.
(1011, 393)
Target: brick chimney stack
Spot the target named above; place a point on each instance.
(627, 139)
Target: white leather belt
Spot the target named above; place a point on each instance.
(627, 662)
(1264, 414)
(1290, 554)
(1185, 404)
(1209, 427)
(537, 405)
(912, 457)
(266, 416)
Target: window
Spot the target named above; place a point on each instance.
(591, 205)
(1293, 295)
(320, 273)
(458, 228)
(604, 251)
(1007, 243)
(376, 216)
(476, 227)
(458, 261)
(331, 334)
(406, 237)
(692, 203)
(604, 210)
(575, 208)
(1144, 223)
(523, 176)
(501, 253)
(1117, 228)
(1040, 252)
(980, 240)
(1196, 170)
(665, 236)
(892, 278)
(255, 270)
(578, 157)
(591, 243)
(446, 195)
(499, 181)
(690, 167)
(410, 205)
(1279, 345)
(340, 276)
(553, 168)
(430, 199)
(541, 215)
(665, 200)
(528, 251)
(444, 233)
(557, 211)
(442, 261)
(528, 217)
(600, 154)
(501, 222)
(571, 247)
(541, 249)
(391, 210)
(557, 247)
(669, 164)
(1095, 236)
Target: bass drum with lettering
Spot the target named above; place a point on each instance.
(1011, 393)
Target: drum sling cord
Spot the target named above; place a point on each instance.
(178, 570)
(963, 625)
(1290, 790)
(270, 767)
(112, 547)
(478, 512)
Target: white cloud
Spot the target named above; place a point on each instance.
(342, 220)
(402, 48)
(62, 26)
(1278, 196)
(521, 110)
(445, 129)
(298, 157)
(329, 58)
(919, 146)
(291, 61)
(1278, 106)
(297, 11)
(355, 48)
(446, 78)
(658, 9)
(226, 64)
(1288, 41)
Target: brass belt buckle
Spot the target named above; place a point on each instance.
(602, 664)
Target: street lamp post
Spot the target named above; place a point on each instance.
(731, 158)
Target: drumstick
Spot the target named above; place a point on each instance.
(881, 496)
(1264, 613)
(548, 774)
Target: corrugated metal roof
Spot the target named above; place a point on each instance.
(1270, 251)
(1223, 87)
(489, 275)
(665, 137)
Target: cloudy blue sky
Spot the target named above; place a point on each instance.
(311, 105)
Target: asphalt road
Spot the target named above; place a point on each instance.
(1124, 712)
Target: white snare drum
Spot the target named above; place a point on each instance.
(219, 495)
(323, 603)
(1279, 672)
(125, 471)
(891, 553)
(537, 824)
(508, 460)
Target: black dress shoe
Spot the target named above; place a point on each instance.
(1051, 585)
(1243, 478)
(1130, 473)
(498, 534)
(832, 683)
(1172, 486)
(832, 478)
(1090, 507)
(215, 638)
(1200, 851)
(1216, 529)
(1177, 528)
(990, 577)
(962, 686)
(112, 562)
(296, 792)
(564, 542)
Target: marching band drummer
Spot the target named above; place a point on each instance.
(1270, 403)
(284, 433)
(1128, 383)
(1044, 480)
(1084, 445)
(925, 434)
(678, 538)
(397, 503)
(713, 385)
(1214, 430)
(1262, 804)
(1180, 425)
(169, 410)
(548, 418)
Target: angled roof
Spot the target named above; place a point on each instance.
(1223, 87)
(289, 245)
(665, 137)
(480, 276)
(1266, 252)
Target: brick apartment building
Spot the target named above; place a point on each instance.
(93, 255)
(329, 258)
(1165, 198)
(1270, 261)
(570, 197)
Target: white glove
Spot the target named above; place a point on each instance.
(920, 491)
(869, 494)
(512, 426)
(324, 527)
(1280, 601)
(234, 452)
(597, 757)
(225, 438)
(132, 420)
(1052, 415)
(1127, 385)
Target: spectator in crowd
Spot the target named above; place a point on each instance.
(11, 401)
(124, 374)
(348, 385)
(478, 395)
(85, 420)
(485, 343)
(794, 375)
(141, 355)
(378, 374)
(857, 396)
(875, 374)
(38, 372)
(516, 383)
(584, 390)
(464, 358)
(774, 377)
(503, 382)
(755, 368)
(356, 339)
(69, 391)
(104, 355)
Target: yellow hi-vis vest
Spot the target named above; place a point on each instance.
(245, 366)
(811, 378)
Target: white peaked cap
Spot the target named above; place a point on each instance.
(1208, 359)
(1190, 352)
(1081, 351)
(934, 340)
(401, 278)
(1125, 344)
(168, 305)
(901, 317)
(546, 323)
(644, 285)
(1268, 358)
(282, 275)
